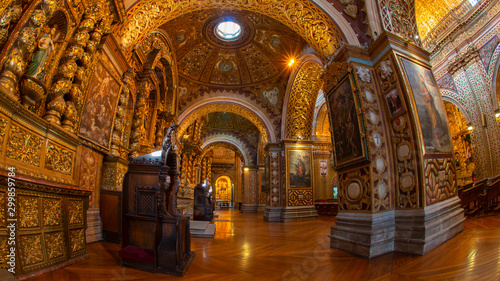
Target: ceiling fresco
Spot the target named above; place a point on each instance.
(260, 54)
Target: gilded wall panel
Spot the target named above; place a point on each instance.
(300, 197)
(113, 176)
(24, 146)
(440, 180)
(54, 245)
(3, 129)
(76, 240)
(3, 209)
(31, 249)
(52, 212)
(75, 211)
(28, 214)
(90, 166)
(275, 178)
(263, 198)
(4, 251)
(59, 159)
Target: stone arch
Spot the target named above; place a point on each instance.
(300, 99)
(227, 104)
(494, 73)
(317, 24)
(234, 145)
(450, 96)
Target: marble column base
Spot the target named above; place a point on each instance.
(364, 234)
(94, 226)
(299, 213)
(249, 208)
(272, 214)
(420, 231)
(261, 208)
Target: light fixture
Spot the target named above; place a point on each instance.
(497, 115)
(292, 61)
(470, 128)
(246, 169)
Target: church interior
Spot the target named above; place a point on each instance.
(315, 139)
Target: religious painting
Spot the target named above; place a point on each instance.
(266, 175)
(428, 103)
(323, 167)
(299, 168)
(99, 110)
(394, 103)
(223, 186)
(346, 123)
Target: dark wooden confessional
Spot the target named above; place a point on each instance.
(155, 237)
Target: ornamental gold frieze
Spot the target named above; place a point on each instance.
(333, 73)
(59, 159)
(31, 249)
(75, 211)
(52, 212)
(3, 129)
(24, 146)
(3, 209)
(302, 16)
(28, 211)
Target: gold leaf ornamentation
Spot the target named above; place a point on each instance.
(3, 127)
(59, 159)
(77, 240)
(31, 249)
(75, 211)
(24, 146)
(52, 212)
(54, 245)
(28, 211)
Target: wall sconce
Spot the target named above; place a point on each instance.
(469, 127)
(246, 169)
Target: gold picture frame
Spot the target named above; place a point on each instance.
(299, 166)
(425, 99)
(346, 123)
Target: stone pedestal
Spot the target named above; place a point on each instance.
(299, 213)
(272, 214)
(261, 208)
(249, 208)
(364, 234)
(94, 226)
(420, 231)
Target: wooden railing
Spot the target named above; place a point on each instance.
(481, 197)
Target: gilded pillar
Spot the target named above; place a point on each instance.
(250, 189)
(138, 130)
(116, 139)
(274, 204)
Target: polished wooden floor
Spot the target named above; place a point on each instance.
(247, 248)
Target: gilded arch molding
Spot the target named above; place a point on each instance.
(234, 145)
(227, 104)
(305, 17)
(300, 99)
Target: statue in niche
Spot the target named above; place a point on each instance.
(45, 48)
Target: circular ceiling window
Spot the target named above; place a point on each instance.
(228, 30)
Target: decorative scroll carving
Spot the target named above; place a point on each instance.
(138, 130)
(9, 17)
(76, 240)
(113, 176)
(54, 245)
(75, 211)
(52, 212)
(3, 128)
(355, 191)
(59, 159)
(28, 211)
(300, 197)
(31, 246)
(386, 74)
(24, 146)
(3, 209)
(465, 58)
(4, 251)
(120, 112)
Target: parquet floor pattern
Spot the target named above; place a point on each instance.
(247, 248)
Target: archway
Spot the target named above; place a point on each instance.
(224, 191)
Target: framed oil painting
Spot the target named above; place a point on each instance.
(98, 112)
(346, 123)
(433, 124)
(394, 103)
(299, 168)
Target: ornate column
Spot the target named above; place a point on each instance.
(274, 205)
(250, 189)
(116, 140)
(138, 129)
(262, 197)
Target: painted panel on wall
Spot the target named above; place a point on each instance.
(99, 110)
(299, 168)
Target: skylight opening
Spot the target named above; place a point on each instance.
(228, 30)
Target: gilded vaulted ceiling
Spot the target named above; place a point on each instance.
(429, 13)
(260, 54)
